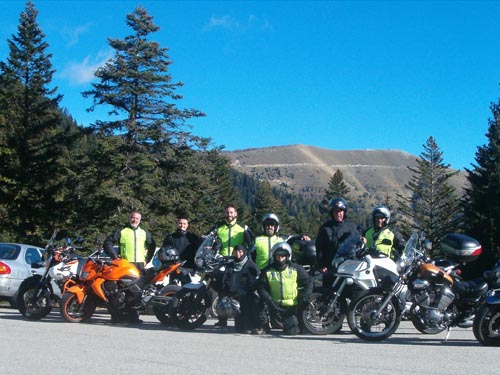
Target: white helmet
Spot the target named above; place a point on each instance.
(273, 219)
(283, 248)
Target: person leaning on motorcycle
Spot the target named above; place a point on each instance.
(240, 282)
(380, 237)
(285, 287)
(134, 243)
(331, 234)
(183, 241)
(137, 246)
(261, 251)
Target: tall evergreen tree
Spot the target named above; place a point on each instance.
(482, 206)
(432, 205)
(34, 169)
(146, 132)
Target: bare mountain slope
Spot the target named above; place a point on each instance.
(372, 175)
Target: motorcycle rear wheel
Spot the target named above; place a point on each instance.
(34, 309)
(365, 325)
(189, 309)
(162, 313)
(74, 312)
(486, 327)
(315, 318)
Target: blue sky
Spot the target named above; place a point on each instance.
(341, 75)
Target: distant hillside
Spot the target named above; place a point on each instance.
(372, 175)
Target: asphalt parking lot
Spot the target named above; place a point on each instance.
(52, 346)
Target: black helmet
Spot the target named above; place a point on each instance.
(227, 307)
(337, 203)
(381, 211)
(168, 254)
(271, 219)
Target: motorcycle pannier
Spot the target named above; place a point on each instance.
(460, 247)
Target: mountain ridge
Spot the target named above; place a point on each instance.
(374, 176)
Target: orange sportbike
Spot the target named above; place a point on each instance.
(120, 286)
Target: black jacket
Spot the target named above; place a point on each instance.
(186, 243)
(331, 234)
(238, 283)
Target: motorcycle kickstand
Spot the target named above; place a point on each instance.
(447, 334)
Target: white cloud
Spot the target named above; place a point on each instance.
(72, 35)
(82, 72)
(230, 23)
(224, 22)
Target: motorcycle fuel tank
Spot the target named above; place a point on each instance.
(432, 273)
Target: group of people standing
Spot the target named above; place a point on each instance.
(262, 278)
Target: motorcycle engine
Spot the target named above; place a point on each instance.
(116, 298)
(430, 305)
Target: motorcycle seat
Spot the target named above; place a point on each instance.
(472, 288)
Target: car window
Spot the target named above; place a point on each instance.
(9, 251)
(32, 255)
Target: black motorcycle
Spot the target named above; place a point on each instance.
(192, 304)
(486, 326)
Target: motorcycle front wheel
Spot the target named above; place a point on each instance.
(486, 327)
(368, 326)
(31, 307)
(190, 308)
(317, 320)
(74, 312)
(162, 313)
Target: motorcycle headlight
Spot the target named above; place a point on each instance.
(85, 275)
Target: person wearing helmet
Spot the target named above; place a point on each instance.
(262, 250)
(331, 234)
(231, 234)
(380, 237)
(239, 283)
(285, 287)
(183, 241)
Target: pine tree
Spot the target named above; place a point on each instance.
(146, 132)
(34, 169)
(481, 204)
(337, 186)
(432, 205)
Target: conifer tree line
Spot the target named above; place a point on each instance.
(55, 173)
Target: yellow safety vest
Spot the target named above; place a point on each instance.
(385, 234)
(133, 244)
(230, 236)
(263, 246)
(283, 286)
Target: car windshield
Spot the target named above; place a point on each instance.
(9, 251)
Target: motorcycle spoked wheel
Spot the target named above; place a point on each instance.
(74, 312)
(188, 314)
(486, 327)
(162, 313)
(365, 325)
(315, 318)
(420, 325)
(30, 308)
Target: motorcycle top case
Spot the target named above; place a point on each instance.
(460, 247)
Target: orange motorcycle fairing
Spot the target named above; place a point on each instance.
(120, 268)
(78, 290)
(431, 272)
(166, 271)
